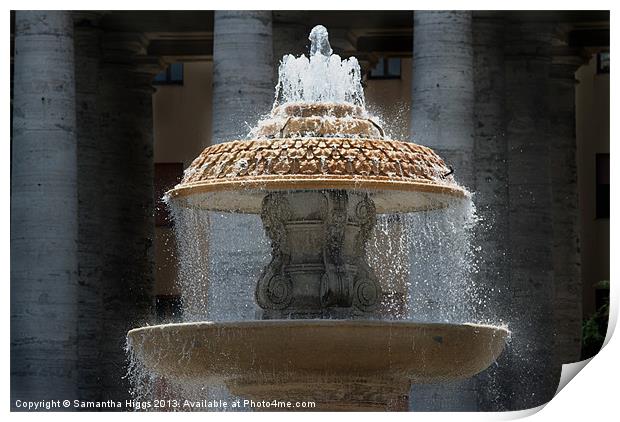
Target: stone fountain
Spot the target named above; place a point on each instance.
(318, 171)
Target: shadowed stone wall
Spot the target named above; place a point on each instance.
(491, 196)
(530, 288)
(565, 206)
(126, 170)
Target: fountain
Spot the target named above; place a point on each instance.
(318, 171)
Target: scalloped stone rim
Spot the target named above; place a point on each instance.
(414, 173)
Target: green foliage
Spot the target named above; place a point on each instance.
(594, 328)
(603, 284)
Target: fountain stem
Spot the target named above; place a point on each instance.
(318, 267)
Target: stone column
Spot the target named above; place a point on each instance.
(565, 204)
(534, 374)
(243, 87)
(243, 90)
(91, 263)
(443, 88)
(491, 176)
(125, 153)
(442, 118)
(44, 228)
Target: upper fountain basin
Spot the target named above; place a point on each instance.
(298, 120)
(317, 146)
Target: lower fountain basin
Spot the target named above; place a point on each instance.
(341, 362)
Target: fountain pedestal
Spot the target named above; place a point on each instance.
(318, 267)
(331, 394)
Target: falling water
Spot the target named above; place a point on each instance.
(423, 260)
